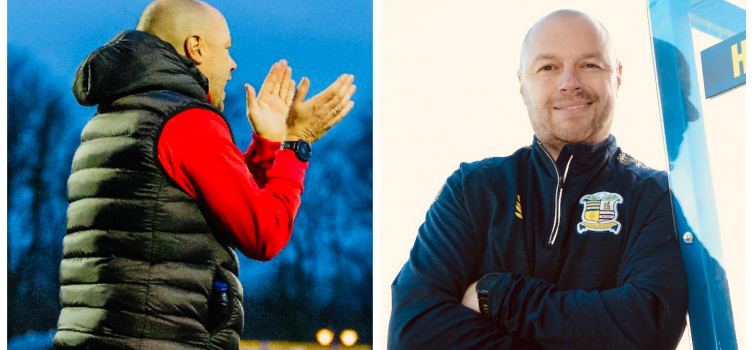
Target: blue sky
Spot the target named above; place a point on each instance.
(320, 39)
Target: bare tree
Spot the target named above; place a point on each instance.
(40, 149)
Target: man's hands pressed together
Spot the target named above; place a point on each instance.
(268, 111)
(278, 114)
(309, 120)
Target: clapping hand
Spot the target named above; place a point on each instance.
(267, 112)
(309, 120)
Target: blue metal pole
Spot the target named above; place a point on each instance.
(690, 176)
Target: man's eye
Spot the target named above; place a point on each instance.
(547, 68)
(590, 65)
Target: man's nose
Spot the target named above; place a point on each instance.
(570, 81)
(233, 64)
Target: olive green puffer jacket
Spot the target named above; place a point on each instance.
(139, 258)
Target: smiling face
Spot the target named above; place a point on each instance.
(569, 80)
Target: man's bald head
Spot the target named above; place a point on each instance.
(562, 20)
(175, 20)
(197, 31)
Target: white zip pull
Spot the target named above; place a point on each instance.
(567, 166)
(556, 210)
(554, 234)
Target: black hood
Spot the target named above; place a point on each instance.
(135, 62)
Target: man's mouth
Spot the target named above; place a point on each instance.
(574, 107)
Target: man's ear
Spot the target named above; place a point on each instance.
(193, 47)
(620, 72)
(520, 85)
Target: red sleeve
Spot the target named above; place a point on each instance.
(259, 157)
(197, 152)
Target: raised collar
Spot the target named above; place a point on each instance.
(577, 159)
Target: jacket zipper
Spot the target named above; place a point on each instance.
(558, 194)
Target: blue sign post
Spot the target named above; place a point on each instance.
(724, 65)
(695, 209)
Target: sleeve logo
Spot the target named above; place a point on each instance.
(600, 213)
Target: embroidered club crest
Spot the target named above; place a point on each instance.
(600, 212)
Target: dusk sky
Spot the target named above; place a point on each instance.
(320, 39)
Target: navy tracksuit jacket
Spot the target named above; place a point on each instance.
(586, 244)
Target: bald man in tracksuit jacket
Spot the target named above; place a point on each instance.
(586, 248)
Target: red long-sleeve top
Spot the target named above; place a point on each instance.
(250, 198)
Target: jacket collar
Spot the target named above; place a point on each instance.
(577, 159)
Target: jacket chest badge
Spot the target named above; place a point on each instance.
(600, 213)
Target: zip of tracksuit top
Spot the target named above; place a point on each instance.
(586, 245)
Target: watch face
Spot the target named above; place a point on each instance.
(304, 150)
(484, 284)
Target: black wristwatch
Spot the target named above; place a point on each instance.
(483, 289)
(301, 148)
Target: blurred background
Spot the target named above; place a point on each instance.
(321, 280)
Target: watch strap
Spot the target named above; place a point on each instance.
(291, 145)
(482, 292)
(484, 307)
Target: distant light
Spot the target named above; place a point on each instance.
(324, 337)
(348, 337)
